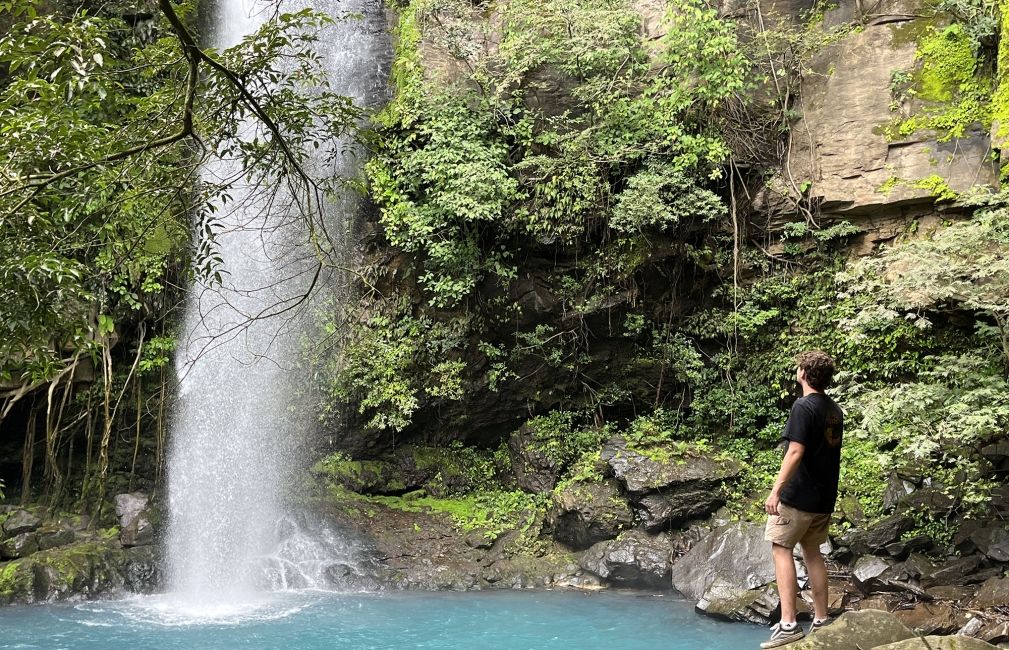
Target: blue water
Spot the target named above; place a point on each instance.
(300, 621)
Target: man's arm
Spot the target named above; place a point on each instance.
(788, 466)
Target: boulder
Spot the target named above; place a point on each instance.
(876, 536)
(635, 559)
(868, 628)
(933, 501)
(954, 571)
(903, 547)
(21, 545)
(20, 521)
(663, 511)
(535, 470)
(645, 472)
(992, 541)
(994, 592)
(584, 513)
(726, 573)
(929, 618)
(759, 606)
(134, 522)
(937, 643)
(54, 538)
(870, 572)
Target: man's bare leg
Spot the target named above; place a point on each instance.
(817, 577)
(788, 588)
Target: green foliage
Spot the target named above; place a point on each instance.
(392, 363)
(950, 80)
(563, 437)
(100, 119)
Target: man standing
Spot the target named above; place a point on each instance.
(803, 496)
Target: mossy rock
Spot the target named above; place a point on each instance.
(88, 569)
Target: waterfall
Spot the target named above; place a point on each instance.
(237, 427)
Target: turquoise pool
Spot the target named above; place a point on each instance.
(505, 620)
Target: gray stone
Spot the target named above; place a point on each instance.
(933, 501)
(635, 559)
(877, 536)
(584, 513)
(734, 557)
(21, 521)
(54, 538)
(937, 643)
(663, 511)
(642, 473)
(867, 628)
(954, 571)
(993, 542)
(21, 545)
(535, 471)
(731, 603)
(871, 571)
(135, 525)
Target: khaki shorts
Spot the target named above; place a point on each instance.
(791, 526)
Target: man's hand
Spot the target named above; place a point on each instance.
(771, 505)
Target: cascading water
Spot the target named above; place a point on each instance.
(237, 427)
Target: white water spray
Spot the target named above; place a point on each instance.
(237, 428)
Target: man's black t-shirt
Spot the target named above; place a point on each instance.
(817, 422)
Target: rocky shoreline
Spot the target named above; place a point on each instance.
(640, 519)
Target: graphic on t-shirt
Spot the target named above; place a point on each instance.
(832, 430)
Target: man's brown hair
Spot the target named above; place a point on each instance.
(818, 366)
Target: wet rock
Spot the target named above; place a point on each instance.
(954, 571)
(635, 559)
(647, 472)
(84, 570)
(868, 628)
(937, 643)
(134, 521)
(870, 572)
(929, 618)
(140, 570)
(724, 570)
(584, 513)
(535, 470)
(18, 546)
(21, 521)
(994, 592)
(663, 511)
